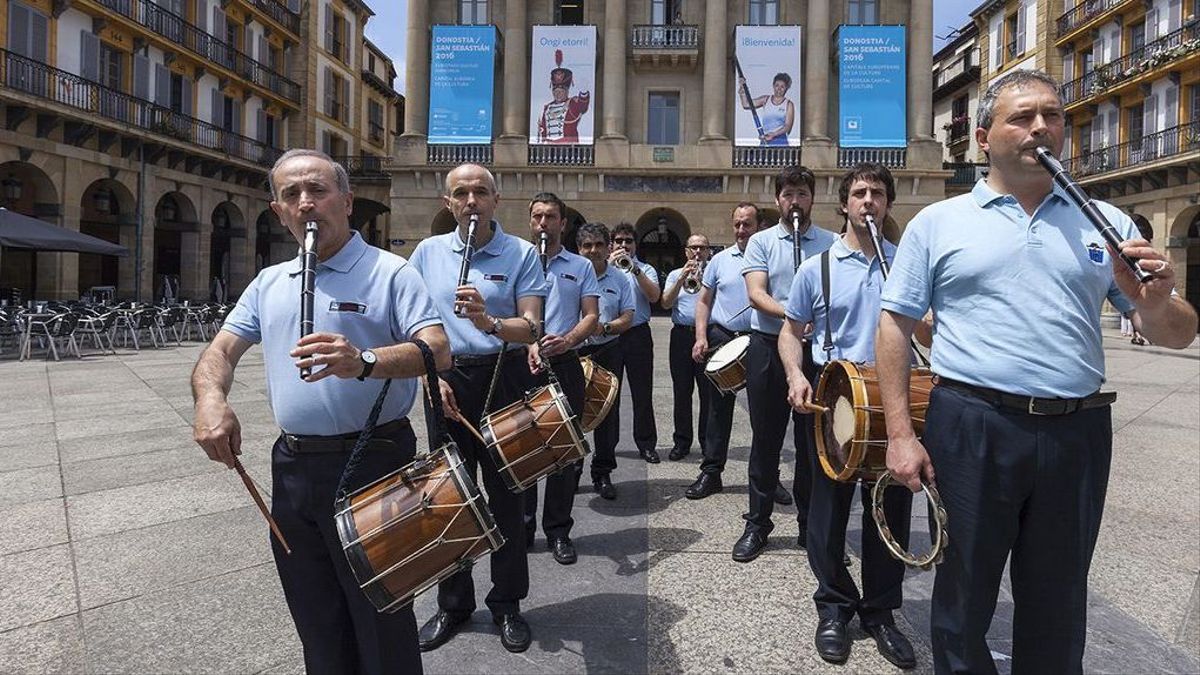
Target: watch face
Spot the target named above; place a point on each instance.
(368, 356)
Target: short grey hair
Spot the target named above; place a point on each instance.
(339, 171)
(1011, 80)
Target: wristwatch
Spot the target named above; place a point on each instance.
(606, 329)
(368, 359)
(495, 329)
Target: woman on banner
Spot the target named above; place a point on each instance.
(776, 111)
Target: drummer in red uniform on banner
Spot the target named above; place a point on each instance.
(560, 118)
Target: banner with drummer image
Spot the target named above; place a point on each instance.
(562, 74)
(767, 84)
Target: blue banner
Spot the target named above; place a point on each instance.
(462, 74)
(872, 91)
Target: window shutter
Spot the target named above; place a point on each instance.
(328, 98)
(1150, 115)
(276, 134)
(141, 77)
(38, 40)
(346, 101)
(1067, 131)
(217, 108)
(18, 29)
(1021, 29)
(162, 85)
(1174, 15)
(261, 129)
(997, 49)
(237, 117)
(1114, 44)
(264, 52)
(1151, 24)
(1171, 112)
(1069, 67)
(327, 142)
(329, 35)
(187, 97)
(1113, 118)
(89, 59)
(200, 14)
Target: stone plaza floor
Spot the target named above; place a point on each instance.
(124, 550)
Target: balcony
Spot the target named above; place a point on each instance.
(453, 155)
(960, 71)
(958, 130)
(561, 155)
(179, 32)
(893, 158)
(665, 46)
(756, 157)
(1167, 143)
(27, 76)
(1084, 13)
(363, 167)
(278, 13)
(966, 174)
(1163, 52)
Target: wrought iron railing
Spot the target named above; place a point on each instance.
(176, 29)
(965, 173)
(958, 131)
(1082, 13)
(561, 155)
(1166, 143)
(280, 13)
(893, 158)
(38, 79)
(476, 153)
(665, 37)
(760, 157)
(363, 166)
(1011, 50)
(1171, 47)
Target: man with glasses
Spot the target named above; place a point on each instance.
(771, 261)
(684, 371)
(637, 343)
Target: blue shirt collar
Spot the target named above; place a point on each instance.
(984, 195)
(785, 231)
(343, 261)
(494, 246)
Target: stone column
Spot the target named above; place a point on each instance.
(817, 72)
(416, 81)
(920, 70)
(615, 42)
(716, 71)
(516, 70)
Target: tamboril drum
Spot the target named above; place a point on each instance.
(600, 394)
(414, 527)
(726, 368)
(533, 437)
(851, 437)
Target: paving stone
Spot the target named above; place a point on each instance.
(29, 485)
(32, 525)
(110, 511)
(128, 443)
(54, 646)
(36, 586)
(28, 455)
(117, 424)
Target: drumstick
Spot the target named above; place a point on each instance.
(237, 464)
(815, 407)
(461, 420)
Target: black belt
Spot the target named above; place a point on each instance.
(569, 355)
(340, 442)
(1031, 405)
(472, 360)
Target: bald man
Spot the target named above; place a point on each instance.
(686, 374)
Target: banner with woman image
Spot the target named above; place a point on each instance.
(767, 81)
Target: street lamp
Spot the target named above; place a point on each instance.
(102, 201)
(12, 188)
(167, 211)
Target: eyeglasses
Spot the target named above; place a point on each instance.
(622, 240)
(697, 248)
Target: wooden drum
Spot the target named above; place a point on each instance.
(726, 368)
(600, 395)
(533, 437)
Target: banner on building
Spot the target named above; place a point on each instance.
(462, 73)
(562, 74)
(872, 88)
(767, 82)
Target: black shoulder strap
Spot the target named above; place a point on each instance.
(828, 345)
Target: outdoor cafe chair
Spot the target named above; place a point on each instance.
(58, 329)
(99, 328)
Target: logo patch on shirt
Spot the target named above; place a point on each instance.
(568, 277)
(609, 290)
(1096, 253)
(357, 308)
(495, 277)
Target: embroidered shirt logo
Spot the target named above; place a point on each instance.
(357, 308)
(1096, 253)
(495, 277)
(568, 277)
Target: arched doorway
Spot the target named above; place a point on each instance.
(227, 222)
(173, 215)
(26, 189)
(367, 217)
(661, 233)
(263, 226)
(107, 211)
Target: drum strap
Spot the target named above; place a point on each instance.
(361, 444)
(828, 344)
(435, 422)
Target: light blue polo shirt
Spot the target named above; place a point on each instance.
(1016, 299)
(616, 298)
(641, 313)
(571, 278)
(770, 251)
(504, 271)
(854, 288)
(683, 313)
(724, 277)
(372, 297)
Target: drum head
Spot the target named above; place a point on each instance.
(836, 428)
(727, 353)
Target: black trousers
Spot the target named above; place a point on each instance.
(766, 389)
(510, 569)
(638, 366)
(720, 411)
(608, 432)
(1030, 485)
(686, 375)
(882, 575)
(339, 628)
(561, 485)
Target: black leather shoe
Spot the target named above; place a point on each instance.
(706, 484)
(749, 546)
(832, 641)
(514, 632)
(438, 630)
(564, 551)
(604, 487)
(651, 456)
(802, 540)
(782, 496)
(678, 454)
(892, 644)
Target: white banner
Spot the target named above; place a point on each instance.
(767, 82)
(562, 73)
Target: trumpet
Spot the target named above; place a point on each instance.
(691, 284)
(624, 263)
